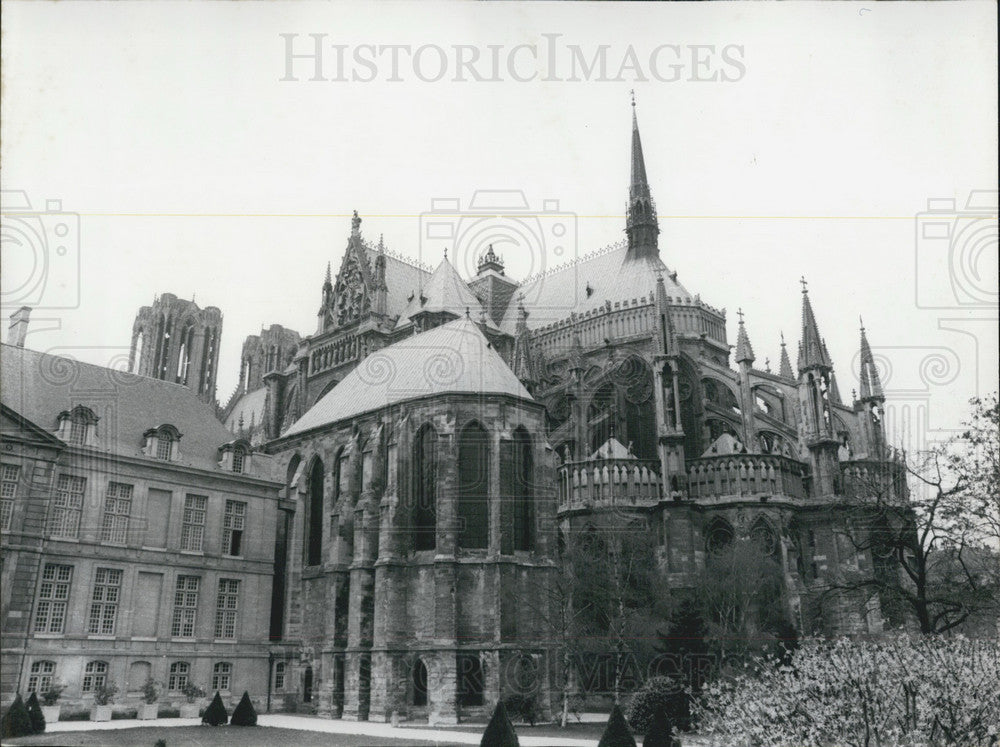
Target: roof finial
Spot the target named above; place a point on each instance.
(355, 223)
(467, 313)
(861, 322)
(632, 94)
(739, 313)
(446, 254)
(802, 280)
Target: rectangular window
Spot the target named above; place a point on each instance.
(117, 509)
(104, 602)
(185, 607)
(193, 524)
(65, 519)
(8, 492)
(226, 607)
(53, 595)
(233, 523)
(42, 675)
(163, 445)
(179, 672)
(221, 674)
(279, 676)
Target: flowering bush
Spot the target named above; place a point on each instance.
(862, 693)
(657, 694)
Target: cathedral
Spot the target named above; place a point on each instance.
(436, 437)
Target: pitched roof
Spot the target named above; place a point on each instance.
(40, 386)
(609, 276)
(612, 449)
(401, 279)
(452, 358)
(443, 291)
(251, 407)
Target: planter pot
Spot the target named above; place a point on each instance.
(189, 710)
(51, 713)
(147, 711)
(100, 713)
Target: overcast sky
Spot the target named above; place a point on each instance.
(196, 169)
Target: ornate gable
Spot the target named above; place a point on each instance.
(352, 294)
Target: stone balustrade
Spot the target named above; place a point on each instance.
(609, 482)
(874, 480)
(745, 475)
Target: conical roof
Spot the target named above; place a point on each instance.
(453, 358)
(812, 349)
(785, 367)
(444, 291)
(871, 384)
(744, 352)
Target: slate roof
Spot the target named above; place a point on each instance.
(555, 296)
(39, 386)
(401, 279)
(444, 291)
(251, 407)
(452, 358)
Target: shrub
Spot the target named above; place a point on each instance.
(616, 733)
(52, 695)
(127, 715)
(16, 722)
(192, 692)
(244, 713)
(895, 690)
(499, 732)
(35, 714)
(160, 743)
(150, 691)
(659, 694)
(216, 713)
(105, 694)
(660, 732)
(523, 707)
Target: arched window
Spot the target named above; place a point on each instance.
(222, 673)
(524, 516)
(41, 676)
(314, 515)
(764, 538)
(470, 680)
(718, 537)
(137, 351)
(419, 676)
(184, 357)
(473, 487)
(95, 676)
(180, 671)
(424, 516)
(279, 676)
(601, 417)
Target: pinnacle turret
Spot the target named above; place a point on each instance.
(744, 352)
(666, 333)
(812, 348)
(871, 384)
(785, 367)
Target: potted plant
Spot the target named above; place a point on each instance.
(50, 699)
(191, 691)
(104, 695)
(150, 694)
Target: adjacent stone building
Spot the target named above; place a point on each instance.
(137, 537)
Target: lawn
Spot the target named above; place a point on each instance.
(208, 736)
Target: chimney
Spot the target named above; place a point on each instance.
(19, 326)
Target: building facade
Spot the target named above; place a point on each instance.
(138, 537)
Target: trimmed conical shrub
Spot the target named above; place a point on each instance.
(659, 734)
(244, 713)
(35, 714)
(16, 722)
(500, 731)
(616, 733)
(216, 713)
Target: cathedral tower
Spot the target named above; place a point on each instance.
(175, 340)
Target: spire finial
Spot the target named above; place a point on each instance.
(632, 94)
(355, 223)
(782, 338)
(862, 323)
(802, 280)
(381, 244)
(767, 365)
(329, 279)
(446, 254)
(739, 313)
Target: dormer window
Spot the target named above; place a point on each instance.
(78, 426)
(163, 443)
(236, 456)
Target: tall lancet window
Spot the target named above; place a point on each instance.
(473, 488)
(524, 517)
(424, 515)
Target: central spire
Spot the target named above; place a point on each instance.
(641, 225)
